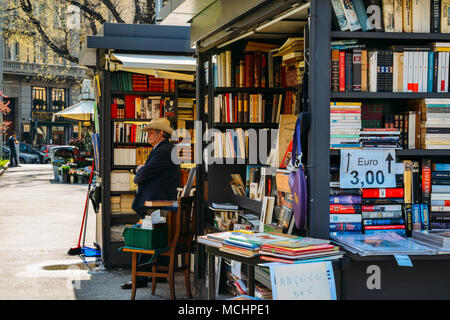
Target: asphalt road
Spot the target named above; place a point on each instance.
(40, 221)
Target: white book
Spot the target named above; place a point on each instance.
(395, 66)
(440, 69)
(416, 7)
(219, 70)
(412, 131)
(446, 70)
(410, 70)
(228, 67)
(420, 71)
(425, 72)
(440, 196)
(415, 77)
(373, 71)
(426, 16)
(405, 71)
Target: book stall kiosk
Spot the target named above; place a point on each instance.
(140, 69)
(406, 275)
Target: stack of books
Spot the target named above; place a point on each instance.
(440, 193)
(139, 82)
(380, 138)
(248, 244)
(345, 125)
(382, 211)
(292, 250)
(262, 292)
(345, 211)
(434, 122)
(186, 108)
(437, 238)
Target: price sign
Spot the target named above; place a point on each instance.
(367, 169)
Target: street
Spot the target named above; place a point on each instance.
(40, 221)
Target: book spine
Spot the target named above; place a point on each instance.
(383, 193)
(356, 85)
(445, 23)
(362, 15)
(398, 15)
(384, 227)
(408, 219)
(364, 86)
(382, 214)
(337, 208)
(384, 222)
(338, 9)
(349, 226)
(430, 71)
(351, 15)
(416, 208)
(348, 71)
(372, 208)
(424, 217)
(345, 218)
(342, 78)
(407, 15)
(435, 16)
(388, 15)
(345, 199)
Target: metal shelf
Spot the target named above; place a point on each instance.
(390, 36)
(389, 95)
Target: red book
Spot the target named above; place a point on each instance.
(342, 208)
(130, 106)
(235, 108)
(257, 69)
(113, 110)
(344, 111)
(342, 71)
(227, 101)
(389, 227)
(249, 71)
(426, 180)
(383, 193)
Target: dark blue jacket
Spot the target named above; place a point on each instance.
(11, 144)
(157, 179)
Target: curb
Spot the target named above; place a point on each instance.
(3, 169)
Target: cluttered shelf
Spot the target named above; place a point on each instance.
(220, 90)
(411, 153)
(130, 120)
(390, 35)
(219, 125)
(144, 93)
(388, 95)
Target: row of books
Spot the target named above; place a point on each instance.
(127, 82)
(122, 204)
(345, 125)
(142, 108)
(122, 180)
(125, 132)
(253, 108)
(130, 156)
(260, 65)
(420, 201)
(186, 108)
(422, 16)
(401, 68)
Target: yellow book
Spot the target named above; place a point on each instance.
(407, 181)
(445, 23)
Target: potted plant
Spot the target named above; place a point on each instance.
(80, 177)
(72, 174)
(65, 173)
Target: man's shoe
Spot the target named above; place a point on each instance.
(127, 285)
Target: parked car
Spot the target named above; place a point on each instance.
(46, 150)
(27, 148)
(61, 152)
(24, 157)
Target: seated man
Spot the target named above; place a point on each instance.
(157, 179)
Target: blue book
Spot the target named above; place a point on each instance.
(440, 166)
(424, 217)
(416, 216)
(400, 232)
(440, 189)
(438, 202)
(441, 175)
(360, 9)
(241, 244)
(345, 199)
(382, 221)
(346, 226)
(430, 71)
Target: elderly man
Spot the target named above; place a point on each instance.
(157, 179)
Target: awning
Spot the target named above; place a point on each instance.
(160, 66)
(80, 111)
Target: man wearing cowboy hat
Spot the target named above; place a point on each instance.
(158, 178)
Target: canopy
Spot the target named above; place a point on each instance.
(79, 111)
(161, 66)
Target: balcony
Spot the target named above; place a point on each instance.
(34, 69)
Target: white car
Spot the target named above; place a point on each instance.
(67, 150)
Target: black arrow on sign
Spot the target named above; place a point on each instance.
(348, 160)
(389, 159)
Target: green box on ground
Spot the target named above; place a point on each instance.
(144, 238)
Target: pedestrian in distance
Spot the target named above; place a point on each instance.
(12, 150)
(157, 179)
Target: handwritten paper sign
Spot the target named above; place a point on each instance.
(303, 281)
(367, 169)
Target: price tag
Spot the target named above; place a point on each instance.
(403, 260)
(367, 169)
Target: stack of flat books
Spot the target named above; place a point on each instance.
(345, 125)
(380, 138)
(437, 238)
(290, 250)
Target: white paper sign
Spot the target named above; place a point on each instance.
(367, 169)
(303, 281)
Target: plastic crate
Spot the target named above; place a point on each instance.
(144, 238)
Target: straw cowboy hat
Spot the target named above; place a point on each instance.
(159, 124)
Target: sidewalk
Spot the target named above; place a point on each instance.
(40, 221)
